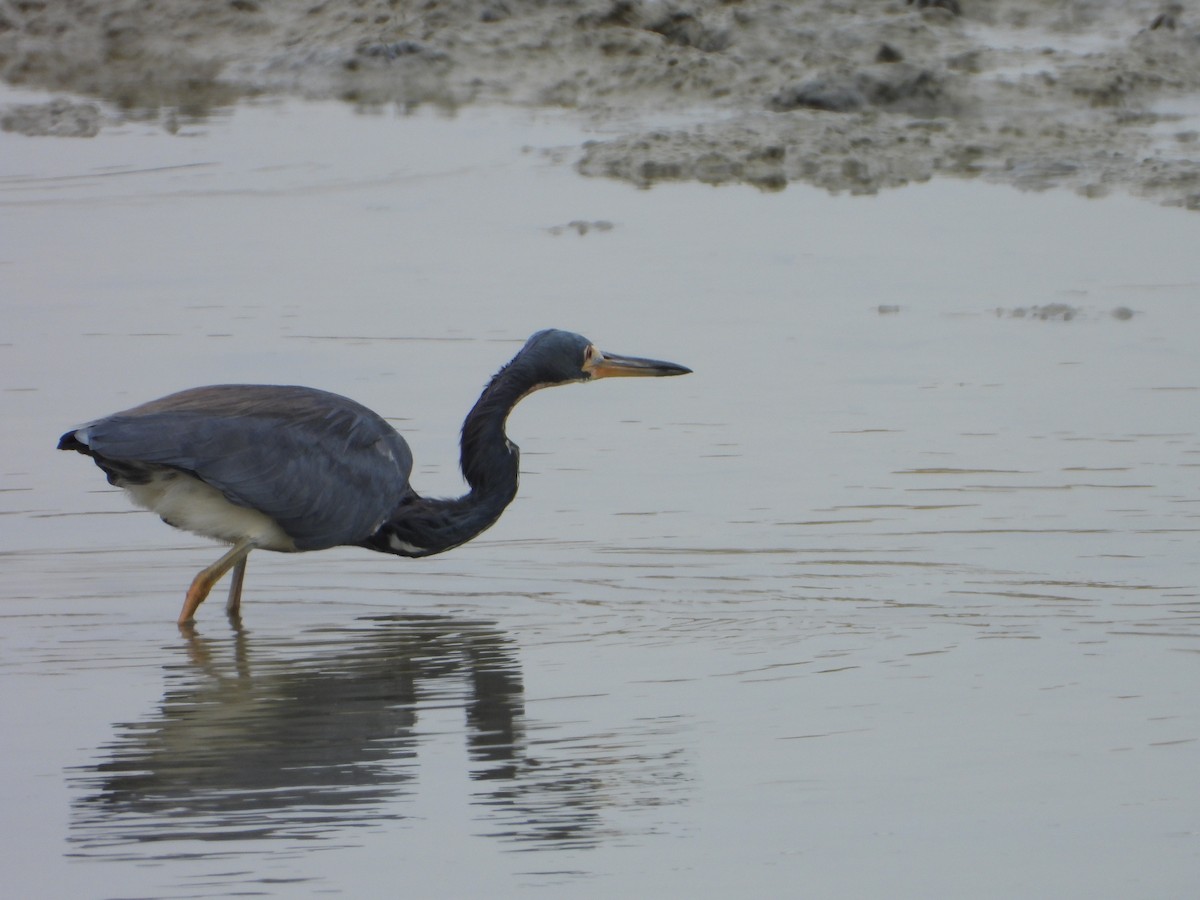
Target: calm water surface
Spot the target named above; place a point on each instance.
(897, 595)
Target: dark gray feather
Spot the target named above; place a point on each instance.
(327, 469)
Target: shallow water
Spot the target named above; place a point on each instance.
(895, 595)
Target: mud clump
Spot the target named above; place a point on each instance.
(58, 118)
(1060, 312)
(895, 87)
(581, 227)
(849, 97)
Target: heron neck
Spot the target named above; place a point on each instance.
(490, 464)
(489, 460)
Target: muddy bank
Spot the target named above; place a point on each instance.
(849, 96)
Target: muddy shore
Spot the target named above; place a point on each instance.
(1093, 95)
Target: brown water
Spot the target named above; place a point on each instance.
(878, 602)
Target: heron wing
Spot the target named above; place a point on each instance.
(327, 469)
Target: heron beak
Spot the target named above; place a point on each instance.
(610, 365)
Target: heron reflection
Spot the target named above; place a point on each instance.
(251, 745)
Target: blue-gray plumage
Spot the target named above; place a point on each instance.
(293, 468)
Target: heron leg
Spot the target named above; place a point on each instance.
(233, 606)
(204, 581)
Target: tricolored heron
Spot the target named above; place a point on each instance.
(293, 468)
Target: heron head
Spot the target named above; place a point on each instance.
(560, 357)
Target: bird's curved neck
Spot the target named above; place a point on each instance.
(490, 464)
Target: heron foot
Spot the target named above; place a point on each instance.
(203, 583)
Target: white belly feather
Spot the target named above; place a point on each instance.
(191, 505)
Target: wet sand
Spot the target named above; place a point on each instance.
(895, 595)
(1094, 97)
